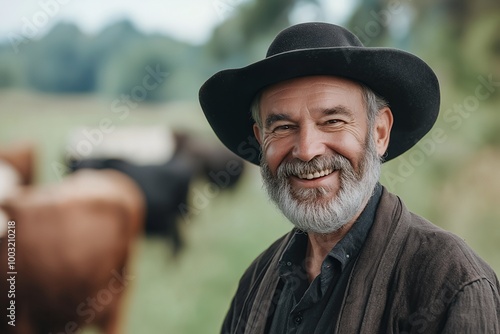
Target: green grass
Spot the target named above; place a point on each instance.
(457, 188)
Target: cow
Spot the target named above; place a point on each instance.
(16, 169)
(20, 157)
(164, 187)
(163, 177)
(72, 244)
(211, 160)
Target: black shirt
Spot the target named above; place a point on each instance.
(313, 308)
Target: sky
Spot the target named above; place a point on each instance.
(187, 20)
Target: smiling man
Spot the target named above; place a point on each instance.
(327, 112)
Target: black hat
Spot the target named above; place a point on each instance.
(401, 78)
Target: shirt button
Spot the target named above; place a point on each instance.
(298, 319)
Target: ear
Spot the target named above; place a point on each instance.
(257, 133)
(382, 130)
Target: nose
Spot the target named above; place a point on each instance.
(309, 144)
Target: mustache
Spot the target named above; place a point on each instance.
(295, 167)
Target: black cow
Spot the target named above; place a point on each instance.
(166, 185)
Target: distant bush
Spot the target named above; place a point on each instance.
(11, 73)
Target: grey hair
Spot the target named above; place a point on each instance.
(255, 109)
(373, 103)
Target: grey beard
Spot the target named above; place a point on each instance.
(306, 208)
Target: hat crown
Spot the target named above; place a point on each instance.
(311, 36)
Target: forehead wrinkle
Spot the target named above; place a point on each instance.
(339, 110)
(342, 85)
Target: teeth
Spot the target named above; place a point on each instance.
(315, 175)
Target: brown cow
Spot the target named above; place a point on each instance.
(16, 169)
(21, 157)
(72, 243)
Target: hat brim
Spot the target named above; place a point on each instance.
(404, 80)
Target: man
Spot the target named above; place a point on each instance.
(326, 112)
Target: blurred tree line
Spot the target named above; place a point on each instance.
(465, 32)
(113, 62)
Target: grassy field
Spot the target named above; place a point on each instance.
(456, 184)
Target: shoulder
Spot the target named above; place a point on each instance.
(434, 256)
(452, 285)
(442, 250)
(435, 274)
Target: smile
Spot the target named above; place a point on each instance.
(315, 175)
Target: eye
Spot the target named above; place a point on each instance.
(283, 127)
(334, 121)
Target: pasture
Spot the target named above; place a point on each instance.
(454, 181)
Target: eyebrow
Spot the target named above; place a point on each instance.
(275, 118)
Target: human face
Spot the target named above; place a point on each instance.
(320, 161)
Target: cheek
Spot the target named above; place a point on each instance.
(351, 147)
(275, 151)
